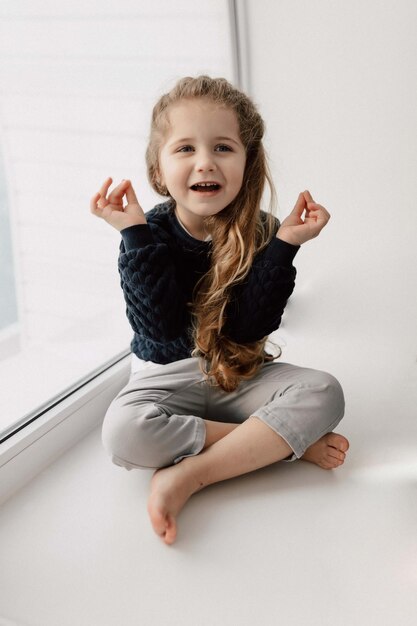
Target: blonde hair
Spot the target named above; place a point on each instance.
(239, 232)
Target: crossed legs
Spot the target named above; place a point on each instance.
(154, 422)
(230, 450)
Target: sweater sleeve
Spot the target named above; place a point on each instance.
(155, 305)
(256, 305)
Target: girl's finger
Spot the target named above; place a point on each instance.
(93, 203)
(307, 196)
(130, 194)
(116, 196)
(300, 205)
(318, 219)
(312, 207)
(105, 186)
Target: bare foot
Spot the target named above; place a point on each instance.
(171, 487)
(328, 452)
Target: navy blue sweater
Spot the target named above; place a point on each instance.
(159, 265)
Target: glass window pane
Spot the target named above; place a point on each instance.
(78, 82)
(9, 327)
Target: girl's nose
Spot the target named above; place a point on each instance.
(205, 161)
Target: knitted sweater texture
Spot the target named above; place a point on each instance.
(159, 265)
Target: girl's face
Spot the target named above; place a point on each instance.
(202, 146)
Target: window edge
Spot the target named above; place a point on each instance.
(31, 450)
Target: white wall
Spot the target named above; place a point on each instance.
(336, 84)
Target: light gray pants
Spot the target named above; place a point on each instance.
(157, 419)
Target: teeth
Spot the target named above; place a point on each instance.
(206, 185)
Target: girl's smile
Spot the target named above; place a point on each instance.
(202, 161)
(206, 188)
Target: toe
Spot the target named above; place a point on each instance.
(158, 521)
(344, 444)
(326, 465)
(336, 454)
(170, 529)
(333, 463)
(338, 441)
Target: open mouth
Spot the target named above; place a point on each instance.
(206, 188)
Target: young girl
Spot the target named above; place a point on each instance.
(206, 276)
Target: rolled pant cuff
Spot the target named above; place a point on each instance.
(199, 440)
(283, 431)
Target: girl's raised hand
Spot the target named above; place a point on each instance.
(111, 208)
(295, 229)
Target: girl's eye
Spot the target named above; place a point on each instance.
(220, 148)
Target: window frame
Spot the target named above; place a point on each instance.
(39, 443)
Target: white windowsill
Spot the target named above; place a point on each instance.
(38, 444)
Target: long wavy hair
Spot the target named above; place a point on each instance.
(238, 232)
